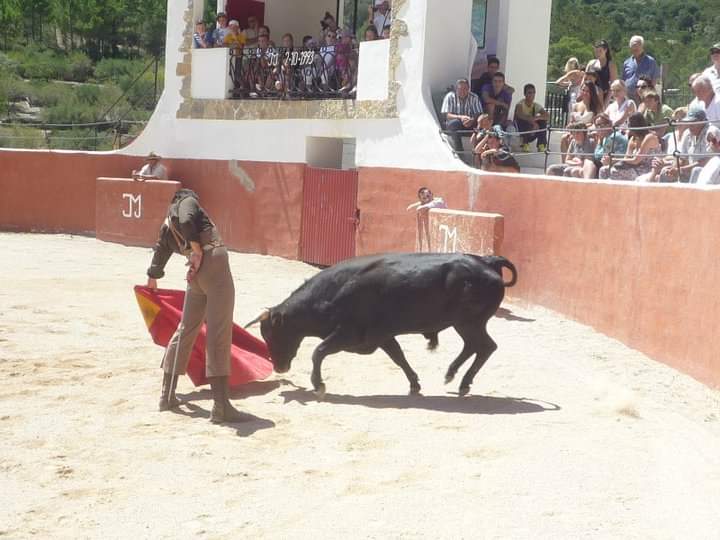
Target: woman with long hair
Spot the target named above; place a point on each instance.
(588, 106)
(608, 70)
(644, 145)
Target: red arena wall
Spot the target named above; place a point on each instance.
(635, 262)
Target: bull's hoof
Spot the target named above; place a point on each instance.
(414, 390)
(319, 391)
(449, 377)
(432, 345)
(463, 391)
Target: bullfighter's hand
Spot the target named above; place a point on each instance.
(152, 283)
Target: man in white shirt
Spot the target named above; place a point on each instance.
(702, 87)
(710, 173)
(713, 72)
(152, 170)
(379, 15)
(694, 148)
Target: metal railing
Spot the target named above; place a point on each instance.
(328, 72)
(556, 104)
(89, 136)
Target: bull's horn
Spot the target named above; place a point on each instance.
(264, 314)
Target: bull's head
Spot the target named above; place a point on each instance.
(282, 339)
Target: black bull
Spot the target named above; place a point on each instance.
(361, 304)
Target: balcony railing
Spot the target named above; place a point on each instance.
(294, 73)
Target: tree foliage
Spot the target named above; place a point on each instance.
(678, 33)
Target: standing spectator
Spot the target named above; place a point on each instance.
(200, 37)
(234, 39)
(608, 70)
(638, 64)
(642, 148)
(425, 202)
(371, 33)
(329, 24)
(493, 66)
(706, 97)
(461, 108)
(221, 29)
(496, 100)
(531, 116)
(251, 32)
(713, 72)
(581, 148)
(152, 169)
(379, 15)
(607, 141)
(710, 173)
(571, 80)
(621, 107)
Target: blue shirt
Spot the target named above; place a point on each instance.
(634, 69)
(615, 142)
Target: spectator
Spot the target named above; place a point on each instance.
(706, 97)
(531, 116)
(251, 32)
(329, 24)
(425, 202)
(713, 72)
(621, 107)
(201, 39)
(461, 108)
(234, 39)
(571, 80)
(581, 147)
(642, 147)
(584, 110)
(673, 141)
(607, 141)
(484, 125)
(655, 112)
(221, 29)
(264, 79)
(496, 157)
(329, 56)
(608, 69)
(371, 33)
(694, 150)
(379, 14)
(637, 65)
(496, 100)
(386, 31)
(710, 173)
(346, 61)
(643, 87)
(152, 169)
(493, 66)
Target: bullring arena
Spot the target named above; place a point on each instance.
(597, 417)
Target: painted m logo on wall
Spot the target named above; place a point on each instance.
(450, 235)
(134, 206)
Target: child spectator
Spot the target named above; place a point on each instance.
(581, 147)
(234, 39)
(496, 100)
(607, 141)
(531, 116)
(200, 37)
(496, 157)
(484, 125)
(221, 29)
(643, 146)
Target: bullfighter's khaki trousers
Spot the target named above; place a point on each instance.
(211, 295)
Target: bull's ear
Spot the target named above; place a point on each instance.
(276, 318)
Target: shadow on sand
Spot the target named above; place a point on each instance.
(449, 404)
(504, 313)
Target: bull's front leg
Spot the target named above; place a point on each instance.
(393, 350)
(330, 345)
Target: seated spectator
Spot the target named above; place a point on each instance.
(710, 173)
(571, 80)
(621, 107)
(531, 116)
(425, 202)
(642, 147)
(637, 65)
(264, 73)
(152, 169)
(328, 53)
(200, 37)
(251, 32)
(346, 61)
(493, 66)
(706, 97)
(371, 33)
(484, 125)
(713, 72)
(655, 112)
(581, 147)
(607, 141)
(221, 29)
(496, 100)
(461, 108)
(672, 139)
(587, 106)
(379, 15)
(694, 150)
(234, 39)
(496, 157)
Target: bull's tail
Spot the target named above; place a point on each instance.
(497, 263)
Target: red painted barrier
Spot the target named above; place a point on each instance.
(130, 212)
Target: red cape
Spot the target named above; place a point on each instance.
(162, 311)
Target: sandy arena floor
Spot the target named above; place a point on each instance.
(567, 434)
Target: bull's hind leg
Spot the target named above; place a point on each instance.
(466, 353)
(393, 350)
(432, 338)
(486, 346)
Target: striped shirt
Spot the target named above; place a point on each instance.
(470, 106)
